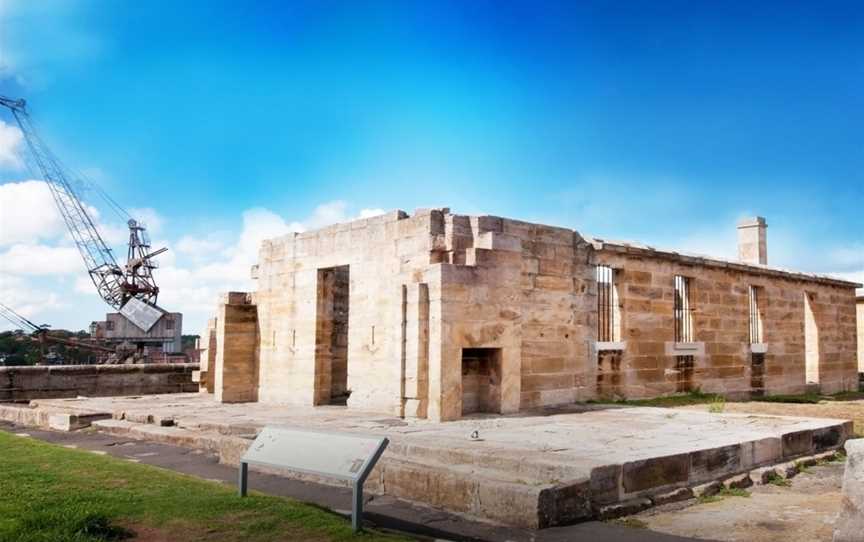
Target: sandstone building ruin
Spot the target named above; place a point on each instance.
(438, 315)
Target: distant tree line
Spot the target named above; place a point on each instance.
(18, 348)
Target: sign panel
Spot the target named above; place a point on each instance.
(345, 456)
(141, 314)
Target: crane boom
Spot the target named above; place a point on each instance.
(115, 284)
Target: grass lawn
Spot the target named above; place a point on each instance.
(54, 494)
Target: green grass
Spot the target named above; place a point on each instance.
(695, 397)
(717, 403)
(806, 398)
(53, 494)
(725, 492)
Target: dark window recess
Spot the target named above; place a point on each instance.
(684, 369)
(683, 310)
(757, 375)
(755, 323)
(109, 325)
(605, 304)
(609, 374)
(169, 323)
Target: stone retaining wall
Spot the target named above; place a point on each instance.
(18, 384)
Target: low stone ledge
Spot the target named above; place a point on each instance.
(50, 382)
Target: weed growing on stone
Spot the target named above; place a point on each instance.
(733, 492)
(717, 405)
(705, 499)
(777, 480)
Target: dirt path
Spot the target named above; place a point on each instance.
(804, 511)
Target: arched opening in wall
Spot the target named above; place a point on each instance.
(811, 340)
(331, 336)
(481, 380)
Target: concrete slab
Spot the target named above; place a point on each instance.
(530, 470)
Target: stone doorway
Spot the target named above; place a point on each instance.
(811, 341)
(331, 336)
(481, 380)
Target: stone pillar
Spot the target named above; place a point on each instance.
(207, 357)
(235, 378)
(416, 350)
(752, 241)
(850, 523)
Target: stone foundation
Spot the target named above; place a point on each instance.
(532, 470)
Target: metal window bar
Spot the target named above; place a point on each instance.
(755, 328)
(605, 304)
(683, 311)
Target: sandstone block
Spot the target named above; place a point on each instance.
(740, 481)
(624, 508)
(680, 494)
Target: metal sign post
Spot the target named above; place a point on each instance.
(342, 456)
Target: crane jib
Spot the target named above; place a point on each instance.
(115, 284)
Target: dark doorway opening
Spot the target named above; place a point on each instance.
(481, 380)
(331, 336)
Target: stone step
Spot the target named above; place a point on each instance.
(484, 494)
(506, 465)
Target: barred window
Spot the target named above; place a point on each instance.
(683, 310)
(755, 316)
(607, 310)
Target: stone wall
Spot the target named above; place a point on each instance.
(721, 349)
(44, 382)
(383, 310)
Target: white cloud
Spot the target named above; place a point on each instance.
(29, 260)
(23, 298)
(28, 213)
(10, 145)
(369, 213)
(198, 247)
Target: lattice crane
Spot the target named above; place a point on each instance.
(115, 284)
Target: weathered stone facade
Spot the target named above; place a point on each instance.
(440, 315)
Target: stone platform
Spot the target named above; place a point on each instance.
(529, 470)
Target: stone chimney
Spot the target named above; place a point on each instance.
(752, 242)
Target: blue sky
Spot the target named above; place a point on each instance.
(225, 122)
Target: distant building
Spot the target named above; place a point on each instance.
(163, 339)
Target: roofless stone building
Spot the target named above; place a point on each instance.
(439, 315)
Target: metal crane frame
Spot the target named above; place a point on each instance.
(115, 284)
